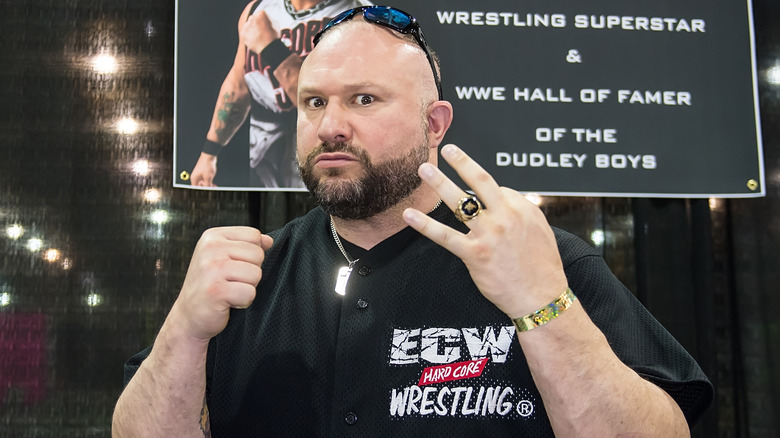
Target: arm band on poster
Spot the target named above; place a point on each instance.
(274, 54)
(212, 148)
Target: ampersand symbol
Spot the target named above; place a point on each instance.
(574, 57)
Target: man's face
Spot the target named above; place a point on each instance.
(362, 129)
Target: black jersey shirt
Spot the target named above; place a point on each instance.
(412, 349)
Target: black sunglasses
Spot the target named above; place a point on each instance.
(393, 18)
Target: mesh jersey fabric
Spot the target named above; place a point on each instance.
(304, 361)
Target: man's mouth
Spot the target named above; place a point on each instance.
(333, 159)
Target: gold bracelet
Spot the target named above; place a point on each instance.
(546, 313)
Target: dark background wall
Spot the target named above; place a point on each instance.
(70, 177)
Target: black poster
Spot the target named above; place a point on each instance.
(600, 98)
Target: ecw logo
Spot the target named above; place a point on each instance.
(447, 345)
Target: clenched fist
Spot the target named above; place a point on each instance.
(204, 171)
(258, 32)
(223, 273)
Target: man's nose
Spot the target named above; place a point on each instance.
(334, 125)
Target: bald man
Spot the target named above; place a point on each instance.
(403, 305)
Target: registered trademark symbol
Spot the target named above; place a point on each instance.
(525, 408)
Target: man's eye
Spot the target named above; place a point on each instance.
(365, 99)
(315, 102)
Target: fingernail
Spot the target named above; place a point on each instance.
(426, 170)
(448, 150)
(410, 217)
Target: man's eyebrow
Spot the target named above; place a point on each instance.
(358, 86)
(306, 90)
(348, 88)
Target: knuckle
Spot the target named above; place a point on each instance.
(461, 159)
(499, 229)
(213, 291)
(483, 178)
(249, 295)
(209, 245)
(481, 251)
(445, 238)
(212, 268)
(255, 235)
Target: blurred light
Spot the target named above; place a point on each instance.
(67, 263)
(14, 231)
(104, 64)
(714, 203)
(153, 196)
(52, 255)
(158, 265)
(34, 244)
(534, 199)
(5, 299)
(142, 167)
(127, 126)
(159, 217)
(773, 75)
(597, 237)
(94, 299)
(150, 30)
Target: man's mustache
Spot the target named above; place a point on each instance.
(338, 146)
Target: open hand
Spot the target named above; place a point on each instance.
(510, 250)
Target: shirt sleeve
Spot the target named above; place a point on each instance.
(636, 337)
(132, 364)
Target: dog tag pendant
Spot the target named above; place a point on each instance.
(341, 281)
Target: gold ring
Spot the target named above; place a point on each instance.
(468, 208)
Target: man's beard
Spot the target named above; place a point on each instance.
(382, 186)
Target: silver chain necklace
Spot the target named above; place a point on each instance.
(345, 271)
(304, 12)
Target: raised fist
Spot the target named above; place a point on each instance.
(223, 274)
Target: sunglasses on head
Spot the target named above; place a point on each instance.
(392, 18)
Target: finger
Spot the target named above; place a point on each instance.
(239, 295)
(243, 272)
(483, 184)
(241, 234)
(447, 190)
(266, 242)
(450, 239)
(246, 252)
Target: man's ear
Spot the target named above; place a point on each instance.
(439, 121)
